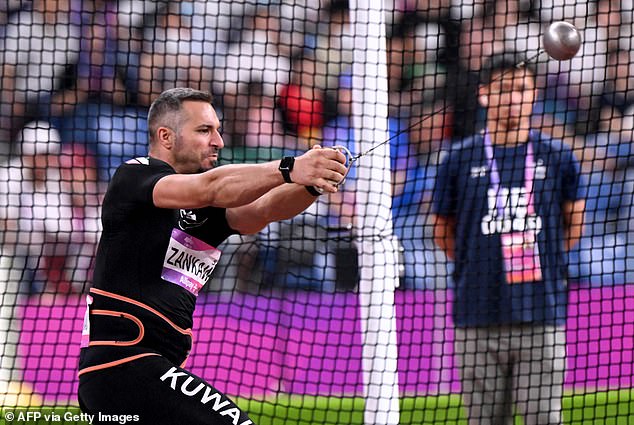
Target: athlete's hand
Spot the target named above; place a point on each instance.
(321, 168)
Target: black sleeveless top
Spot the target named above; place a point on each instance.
(150, 265)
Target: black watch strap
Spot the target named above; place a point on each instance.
(286, 166)
(313, 190)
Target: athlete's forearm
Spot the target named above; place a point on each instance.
(240, 184)
(285, 202)
(281, 203)
(224, 187)
(276, 203)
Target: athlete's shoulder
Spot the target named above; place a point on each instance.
(134, 181)
(146, 162)
(144, 165)
(139, 171)
(142, 160)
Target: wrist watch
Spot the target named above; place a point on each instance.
(315, 191)
(286, 166)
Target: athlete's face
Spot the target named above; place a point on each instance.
(198, 141)
(509, 98)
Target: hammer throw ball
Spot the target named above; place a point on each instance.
(561, 40)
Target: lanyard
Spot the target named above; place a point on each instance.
(529, 174)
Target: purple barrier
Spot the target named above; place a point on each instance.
(49, 347)
(310, 343)
(304, 343)
(600, 338)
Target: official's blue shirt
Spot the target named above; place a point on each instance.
(462, 190)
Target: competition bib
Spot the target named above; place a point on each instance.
(189, 261)
(520, 253)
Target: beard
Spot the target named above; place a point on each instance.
(206, 157)
(193, 161)
(213, 165)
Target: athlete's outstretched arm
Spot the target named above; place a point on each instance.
(281, 203)
(236, 185)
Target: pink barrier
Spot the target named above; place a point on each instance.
(310, 343)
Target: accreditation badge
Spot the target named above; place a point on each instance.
(520, 254)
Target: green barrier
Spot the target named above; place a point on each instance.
(249, 155)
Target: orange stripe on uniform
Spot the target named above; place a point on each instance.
(147, 307)
(123, 315)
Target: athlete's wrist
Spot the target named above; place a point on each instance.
(315, 191)
(286, 166)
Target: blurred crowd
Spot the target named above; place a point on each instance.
(78, 76)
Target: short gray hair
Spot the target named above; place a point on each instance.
(164, 111)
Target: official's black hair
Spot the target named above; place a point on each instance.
(505, 61)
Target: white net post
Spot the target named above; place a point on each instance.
(373, 225)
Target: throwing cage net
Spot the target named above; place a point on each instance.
(351, 312)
